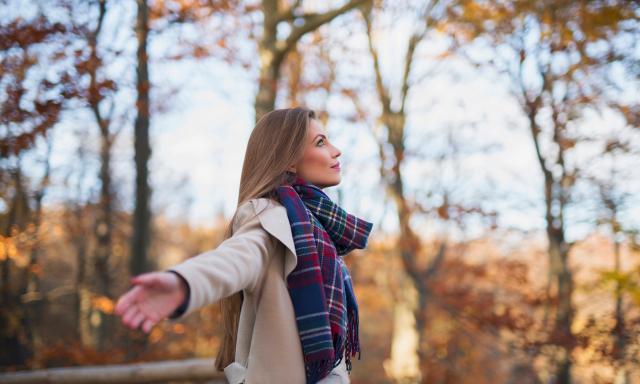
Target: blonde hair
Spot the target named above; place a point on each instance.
(276, 142)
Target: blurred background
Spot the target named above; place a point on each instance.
(495, 145)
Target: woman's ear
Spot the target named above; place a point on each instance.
(292, 168)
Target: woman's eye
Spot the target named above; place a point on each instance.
(320, 141)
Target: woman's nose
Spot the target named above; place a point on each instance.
(336, 152)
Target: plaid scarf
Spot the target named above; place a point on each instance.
(320, 285)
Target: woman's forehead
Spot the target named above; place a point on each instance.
(316, 128)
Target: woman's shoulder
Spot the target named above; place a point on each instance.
(255, 207)
(260, 203)
(273, 218)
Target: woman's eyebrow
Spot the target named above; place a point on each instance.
(320, 134)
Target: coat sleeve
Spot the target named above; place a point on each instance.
(237, 263)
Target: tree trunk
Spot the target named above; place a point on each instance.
(85, 315)
(142, 214)
(268, 81)
(619, 331)
(560, 276)
(31, 282)
(403, 366)
(139, 261)
(14, 346)
(103, 232)
(103, 226)
(564, 313)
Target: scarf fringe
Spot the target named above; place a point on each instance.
(339, 343)
(352, 344)
(317, 370)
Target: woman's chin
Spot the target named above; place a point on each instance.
(328, 183)
(334, 182)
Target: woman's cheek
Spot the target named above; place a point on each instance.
(316, 159)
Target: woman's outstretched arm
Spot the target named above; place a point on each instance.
(237, 263)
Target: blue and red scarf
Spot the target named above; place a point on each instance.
(320, 285)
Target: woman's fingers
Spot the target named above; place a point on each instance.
(136, 316)
(128, 317)
(128, 299)
(137, 320)
(149, 279)
(147, 325)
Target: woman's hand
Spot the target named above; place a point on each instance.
(155, 296)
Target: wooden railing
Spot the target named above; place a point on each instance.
(189, 370)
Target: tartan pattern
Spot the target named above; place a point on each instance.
(320, 285)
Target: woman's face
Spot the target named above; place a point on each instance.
(319, 164)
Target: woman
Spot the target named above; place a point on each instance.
(287, 303)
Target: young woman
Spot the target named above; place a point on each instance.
(288, 306)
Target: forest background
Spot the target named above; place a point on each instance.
(494, 144)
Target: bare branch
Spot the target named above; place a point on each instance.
(314, 21)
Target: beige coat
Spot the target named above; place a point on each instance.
(256, 260)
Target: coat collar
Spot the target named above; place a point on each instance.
(274, 219)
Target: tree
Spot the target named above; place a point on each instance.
(550, 53)
(98, 93)
(273, 50)
(393, 121)
(389, 129)
(614, 199)
(37, 86)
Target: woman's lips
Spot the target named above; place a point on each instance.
(337, 166)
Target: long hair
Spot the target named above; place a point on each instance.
(276, 142)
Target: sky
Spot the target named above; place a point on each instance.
(198, 143)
